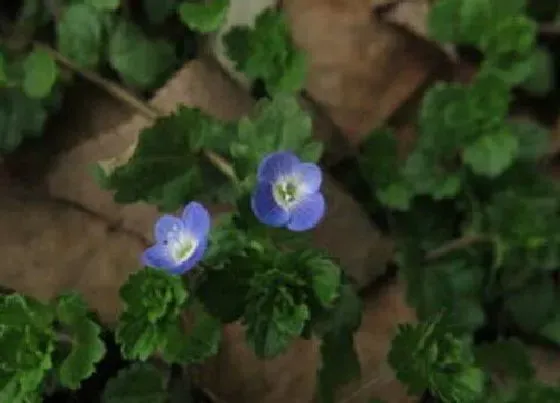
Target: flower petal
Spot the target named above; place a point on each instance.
(194, 259)
(276, 165)
(307, 213)
(265, 207)
(167, 228)
(196, 220)
(158, 256)
(310, 176)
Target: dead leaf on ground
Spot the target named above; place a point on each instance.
(361, 71)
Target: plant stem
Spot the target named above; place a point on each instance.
(454, 245)
(144, 108)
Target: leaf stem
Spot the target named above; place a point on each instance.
(144, 108)
(454, 245)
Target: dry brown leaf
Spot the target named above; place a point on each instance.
(361, 71)
(48, 248)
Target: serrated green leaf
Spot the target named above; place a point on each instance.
(325, 279)
(426, 356)
(344, 317)
(204, 17)
(80, 35)
(71, 307)
(86, 346)
(153, 301)
(195, 344)
(140, 61)
(138, 338)
(140, 383)
(103, 5)
(506, 357)
(277, 124)
(166, 169)
(266, 52)
(40, 73)
(87, 350)
(492, 154)
(273, 320)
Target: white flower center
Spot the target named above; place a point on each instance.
(286, 192)
(181, 246)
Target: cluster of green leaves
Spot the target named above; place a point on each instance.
(45, 345)
(503, 31)
(170, 166)
(97, 35)
(266, 52)
(431, 355)
(29, 91)
(153, 320)
(474, 212)
(281, 295)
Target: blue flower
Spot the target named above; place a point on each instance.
(180, 242)
(288, 193)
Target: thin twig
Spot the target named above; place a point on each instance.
(454, 245)
(144, 108)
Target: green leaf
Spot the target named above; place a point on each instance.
(86, 346)
(103, 5)
(505, 357)
(40, 73)
(492, 154)
(533, 306)
(533, 139)
(166, 168)
(80, 35)
(344, 317)
(27, 342)
(452, 286)
(158, 11)
(278, 124)
(273, 319)
(266, 52)
(140, 61)
(201, 342)
(153, 302)
(140, 383)
(204, 17)
(541, 79)
(325, 279)
(427, 356)
(20, 118)
(397, 196)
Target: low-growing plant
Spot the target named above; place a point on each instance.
(472, 209)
